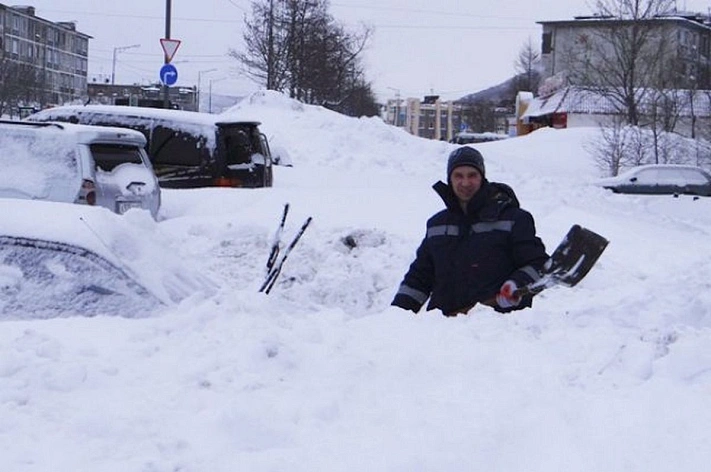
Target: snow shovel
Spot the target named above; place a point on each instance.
(570, 262)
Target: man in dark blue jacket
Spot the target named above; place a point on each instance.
(480, 249)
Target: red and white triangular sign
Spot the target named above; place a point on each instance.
(169, 47)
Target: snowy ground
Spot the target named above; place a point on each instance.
(323, 375)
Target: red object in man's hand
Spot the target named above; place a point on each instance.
(506, 298)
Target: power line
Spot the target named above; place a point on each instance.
(452, 27)
(141, 17)
(237, 6)
(161, 54)
(215, 20)
(457, 14)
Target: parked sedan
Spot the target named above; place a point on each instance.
(661, 179)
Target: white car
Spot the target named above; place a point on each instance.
(71, 163)
(660, 179)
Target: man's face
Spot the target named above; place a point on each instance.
(466, 182)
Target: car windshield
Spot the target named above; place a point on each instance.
(43, 279)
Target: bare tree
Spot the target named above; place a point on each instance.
(527, 68)
(296, 46)
(625, 54)
(480, 116)
(620, 145)
(263, 58)
(19, 85)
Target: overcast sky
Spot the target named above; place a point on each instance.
(449, 47)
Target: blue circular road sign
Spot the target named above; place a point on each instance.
(168, 74)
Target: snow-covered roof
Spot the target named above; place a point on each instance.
(570, 100)
(190, 122)
(88, 133)
(143, 112)
(579, 100)
(695, 19)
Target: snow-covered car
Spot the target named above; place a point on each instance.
(72, 163)
(660, 179)
(61, 259)
(188, 149)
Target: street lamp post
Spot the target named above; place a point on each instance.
(198, 84)
(209, 102)
(397, 105)
(117, 50)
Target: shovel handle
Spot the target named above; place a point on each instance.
(536, 287)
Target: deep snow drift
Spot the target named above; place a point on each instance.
(322, 374)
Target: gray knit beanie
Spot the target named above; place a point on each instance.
(465, 156)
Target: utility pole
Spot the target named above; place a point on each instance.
(397, 105)
(198, 85)
(113, 65)
(209, 99)
(166, 89)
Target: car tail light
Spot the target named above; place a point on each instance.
(228, 182)
(88, 192)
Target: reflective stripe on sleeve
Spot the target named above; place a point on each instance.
(417, 295)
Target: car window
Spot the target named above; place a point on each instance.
(173, 147)
(238, 144)
(43, 279)
(672, 176)
(647, 177)
(39, 164)
(694, 177)
(108, 156)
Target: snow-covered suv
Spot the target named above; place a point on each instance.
(65, 162)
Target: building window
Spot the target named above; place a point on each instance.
(704, 47)
(547, 43)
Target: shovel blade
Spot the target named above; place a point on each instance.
(574, 256)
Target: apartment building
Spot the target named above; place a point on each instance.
(430, 118)
(52, 56)
(686, 36)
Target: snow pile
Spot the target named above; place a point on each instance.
(322, 374)
(323, 138)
